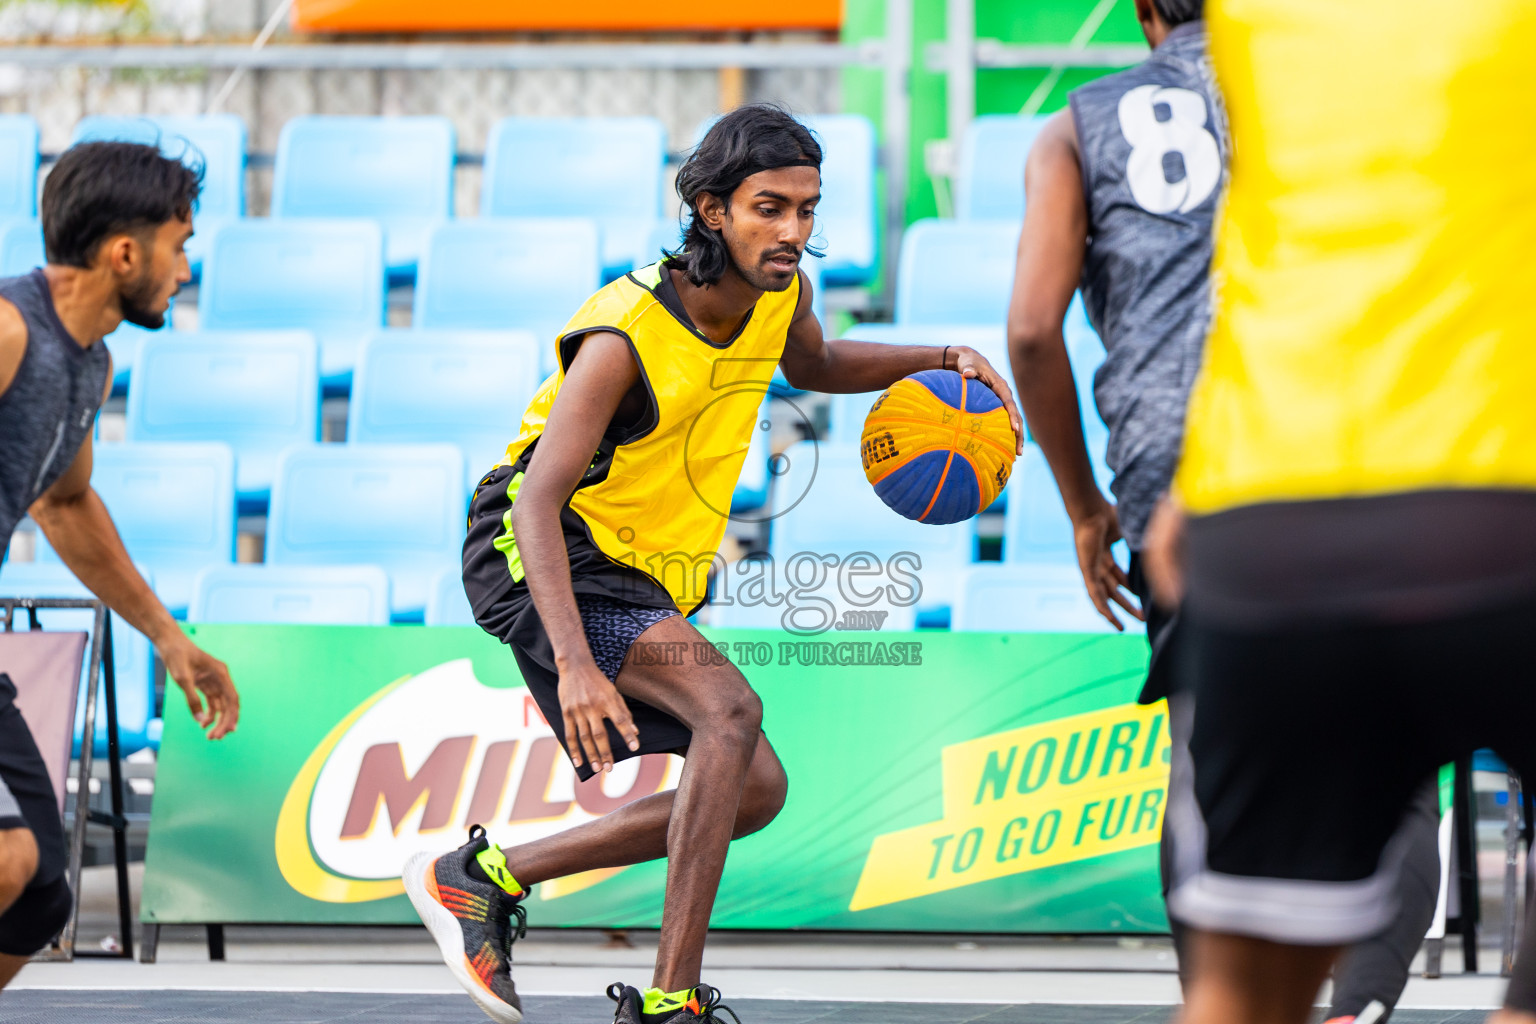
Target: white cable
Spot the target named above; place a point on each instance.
(261, 40)
(1079, 41)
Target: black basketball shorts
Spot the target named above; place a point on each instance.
(1306, 746)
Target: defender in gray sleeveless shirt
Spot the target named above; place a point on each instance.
(1122, 190)
(115, 219)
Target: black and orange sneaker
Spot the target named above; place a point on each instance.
(701, 1007)
(472, 920)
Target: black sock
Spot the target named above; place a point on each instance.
(476, 871)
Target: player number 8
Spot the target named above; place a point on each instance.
(1151, 140)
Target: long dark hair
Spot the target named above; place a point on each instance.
(759, 137)
(1177, 12)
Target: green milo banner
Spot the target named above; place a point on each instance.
(938, 782)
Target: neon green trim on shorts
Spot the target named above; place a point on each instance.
(505, 542)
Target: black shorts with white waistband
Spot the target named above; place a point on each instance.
(1309, 740)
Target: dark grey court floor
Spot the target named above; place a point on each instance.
(38, 1006)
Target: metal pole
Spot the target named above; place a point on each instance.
(83, 785)
(1511, 873)
(960, 35)
(898, 132)
(118, 822)
(1466, 862)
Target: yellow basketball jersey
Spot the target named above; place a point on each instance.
(659, 503)
(1375, 320)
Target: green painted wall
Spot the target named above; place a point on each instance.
(1040, 22)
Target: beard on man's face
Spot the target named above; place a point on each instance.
(137, 303)
(765, 277)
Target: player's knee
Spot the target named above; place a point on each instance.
(18, 863)
(739, 718)
(39, 914)
(763, 799)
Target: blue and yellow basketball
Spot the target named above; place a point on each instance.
(938, 447)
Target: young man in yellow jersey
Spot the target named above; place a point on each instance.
(599, 531)
(1358, 479)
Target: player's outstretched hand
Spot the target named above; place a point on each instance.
(587, 698)
(205, 681)
(974, 365)
(1095, 536)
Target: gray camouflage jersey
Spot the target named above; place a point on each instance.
(1153, 145)
(49, 409)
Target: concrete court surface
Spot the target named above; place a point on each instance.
(394, 976)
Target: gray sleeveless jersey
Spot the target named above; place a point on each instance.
(1153, 146)
(49, 409)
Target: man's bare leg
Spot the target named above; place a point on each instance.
(692, 826)
(1239, 980)
(18, 863)
(637, 832)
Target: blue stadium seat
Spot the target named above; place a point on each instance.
(823, 503)
(467, 388)
(21, 246)
(398, 506)
(956, 272)
(1031, 599)
(803, 610)
(18, 166)
(137, 726)
(523, 274)
(324, 276)
(256, 391)
(124, 344)
(397, 170)
(315, 595)
(606, 168)
(217, 140)
(846, 217)
(666, 234)
(989, 178)
(173, 504)
(448, 604)
(1036, 528)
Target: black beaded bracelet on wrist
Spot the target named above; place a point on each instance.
(944, 362)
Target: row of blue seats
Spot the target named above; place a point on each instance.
(401, 506)
(822, 504)
(399, 171)
(328, 277)
(259, 392)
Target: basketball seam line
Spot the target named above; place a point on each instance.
(948, 461)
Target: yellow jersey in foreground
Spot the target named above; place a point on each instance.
(1375, 267)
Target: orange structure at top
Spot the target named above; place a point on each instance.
(598, 15)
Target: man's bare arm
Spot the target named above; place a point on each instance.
(601, 374)
(844, 367)
(77, 524)
(1050, 262)
(13, 343)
